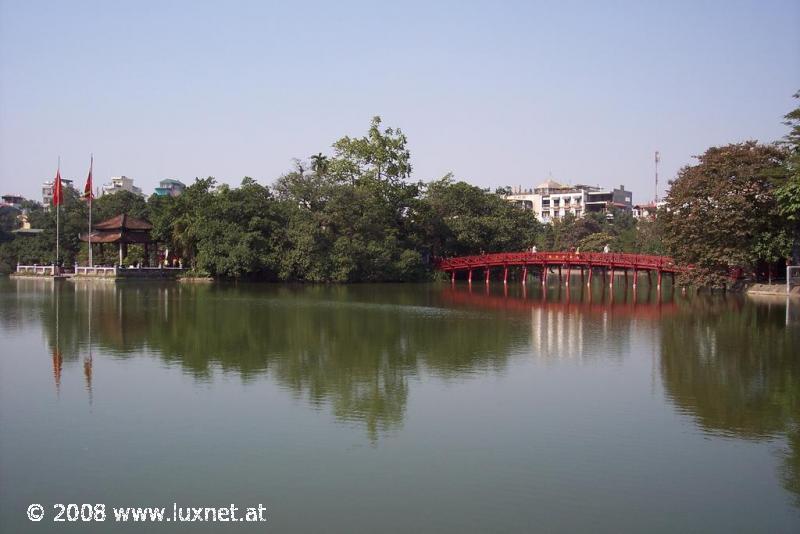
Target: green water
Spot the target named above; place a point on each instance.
(400, 408)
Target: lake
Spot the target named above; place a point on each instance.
(400, 408)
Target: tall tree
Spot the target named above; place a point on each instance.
(788, 194)
(721, 211)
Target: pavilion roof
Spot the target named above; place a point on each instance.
(123, 222)
(117, 237)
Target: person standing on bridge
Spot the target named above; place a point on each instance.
(606, 249)
(534, 249)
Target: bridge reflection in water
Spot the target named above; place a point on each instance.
(569, 323)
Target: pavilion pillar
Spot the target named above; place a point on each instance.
(146, 255)
(120, 254)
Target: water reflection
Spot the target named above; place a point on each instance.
(729, 363)
(733, 365)
(352, 349)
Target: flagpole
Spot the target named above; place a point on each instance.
(90, 199)
(58, 213)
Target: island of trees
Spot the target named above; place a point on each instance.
(356, 215)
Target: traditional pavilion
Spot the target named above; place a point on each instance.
(122, 230)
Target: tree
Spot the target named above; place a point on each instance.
(118, 203)
(381, 155)
(721, 211)
(788, 195)
(463, 219)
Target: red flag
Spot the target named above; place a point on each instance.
(58, 196)
(87, 191)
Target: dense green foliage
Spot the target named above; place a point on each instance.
(349, 217)
(788, 194)
(724, 212)
(591, 233)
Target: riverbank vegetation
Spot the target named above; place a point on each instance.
(357, 214)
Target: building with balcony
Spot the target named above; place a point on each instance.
(12, 201)
(47, 191)
(551, 200)
(170, 188)
(121, 183)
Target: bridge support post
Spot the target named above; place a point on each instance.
(582, 277)
(525, 274)
(649, 278)
(635, 277)
(453, 276)
(559, 274)
(611, 276)
(659, 279)
(505, 274)
(487, 274)
(589, 283)
(568, 272)
(625, 270)
(469, 276)
(544, 274)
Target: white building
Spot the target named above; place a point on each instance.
(552, 200)
(47, 191)
(647, 211)
(121, 183)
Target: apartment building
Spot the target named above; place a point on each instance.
(121, 183)
(47, 191)
(551, 200)
(170, 188)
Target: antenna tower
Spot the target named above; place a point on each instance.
(657, 159)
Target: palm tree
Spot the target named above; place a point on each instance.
(319, 163)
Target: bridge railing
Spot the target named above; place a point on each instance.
(611, 259)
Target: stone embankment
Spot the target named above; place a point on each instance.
(778, 290)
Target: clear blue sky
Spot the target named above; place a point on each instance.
(500, 93)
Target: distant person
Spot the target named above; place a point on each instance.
(606, 249)
(577, 251)
(534, 249)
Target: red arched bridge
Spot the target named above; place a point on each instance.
(586, 262)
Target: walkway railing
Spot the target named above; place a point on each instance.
(95, 271)
(37, 270)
